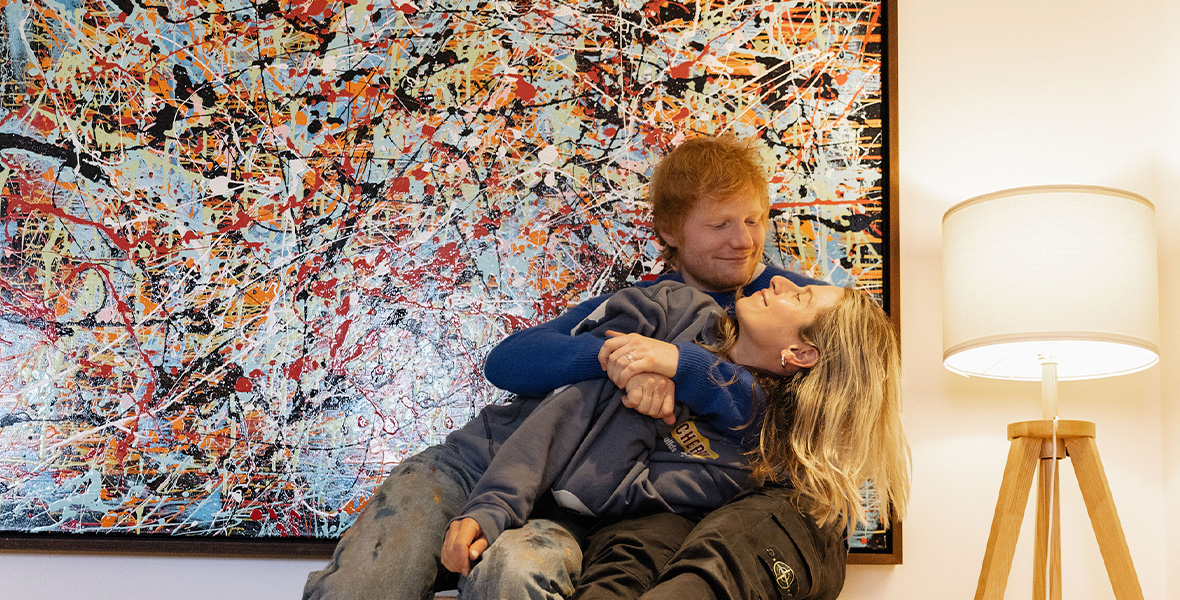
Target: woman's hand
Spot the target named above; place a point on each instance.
(464, 543)
(625, 355)
(652, 395)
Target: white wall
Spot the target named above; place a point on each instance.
(83, 577)
(993, 94)
(1000, 94)
(1168, 215)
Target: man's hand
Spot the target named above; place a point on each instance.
(625, 355)
(464, 543)
(652, 395)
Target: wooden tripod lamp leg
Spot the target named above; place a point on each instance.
(1083, 452)
(1001, 542)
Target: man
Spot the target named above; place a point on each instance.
(711, 212)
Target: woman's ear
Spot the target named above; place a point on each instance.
(800, 356)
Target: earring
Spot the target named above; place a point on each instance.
(782, 359)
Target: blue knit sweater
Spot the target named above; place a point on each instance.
(524, 363)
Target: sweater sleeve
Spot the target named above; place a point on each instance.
(524, 362)
(534, 455)
(723, 392)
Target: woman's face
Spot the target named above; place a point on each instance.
(769, 321)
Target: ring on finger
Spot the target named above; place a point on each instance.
(630, 359)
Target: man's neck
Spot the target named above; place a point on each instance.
(757, 273)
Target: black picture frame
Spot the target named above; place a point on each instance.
(887, 546)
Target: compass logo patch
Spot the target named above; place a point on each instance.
(784, 575)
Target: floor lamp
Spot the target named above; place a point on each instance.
(1051, 283)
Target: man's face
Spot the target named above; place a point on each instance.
(720, 245)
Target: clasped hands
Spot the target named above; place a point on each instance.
(643, 368)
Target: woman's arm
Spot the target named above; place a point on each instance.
(724, 392)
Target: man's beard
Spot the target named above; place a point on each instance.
(720, 280)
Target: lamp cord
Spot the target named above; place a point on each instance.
(1052, 510)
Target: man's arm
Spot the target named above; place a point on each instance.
(542, 358)
(722, 391)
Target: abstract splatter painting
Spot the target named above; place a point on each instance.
(253, 252)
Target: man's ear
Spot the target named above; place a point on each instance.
(801, 356)
(668, 239)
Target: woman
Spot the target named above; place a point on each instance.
(789, 339)
(787, 537)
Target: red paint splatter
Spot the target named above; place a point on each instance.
(524, 90)
(515, 322)
(294, 371)
(341, 335)
(681, 71)
(93, 369)
(324, 289)
(243, 385)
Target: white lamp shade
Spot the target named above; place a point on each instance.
(1065, 270)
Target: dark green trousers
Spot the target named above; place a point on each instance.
(758, 546)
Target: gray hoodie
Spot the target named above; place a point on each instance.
(600, 458)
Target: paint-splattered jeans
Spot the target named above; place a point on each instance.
(392, 550)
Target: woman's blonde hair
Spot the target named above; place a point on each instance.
(829, 429)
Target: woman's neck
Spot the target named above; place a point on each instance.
(745, 353)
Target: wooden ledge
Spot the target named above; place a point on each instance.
(1044, 429)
